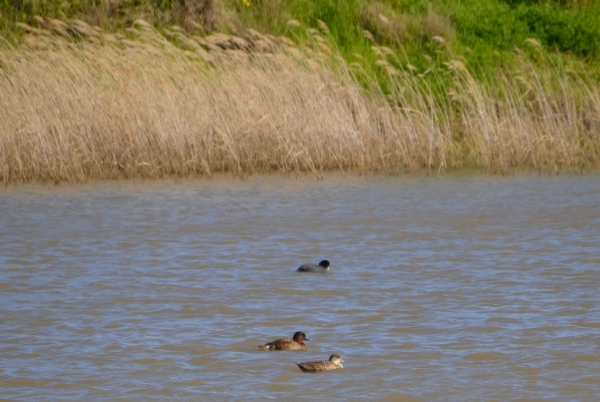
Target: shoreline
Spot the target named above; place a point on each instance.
(334, 177)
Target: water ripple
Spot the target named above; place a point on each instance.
(447, 289)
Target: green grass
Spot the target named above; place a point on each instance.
(483, 32)
(489, 36)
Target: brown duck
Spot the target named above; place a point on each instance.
(287, 344)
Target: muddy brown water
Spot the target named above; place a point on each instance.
(441, 289)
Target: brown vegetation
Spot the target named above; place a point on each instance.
(111, 107)
(379, 20)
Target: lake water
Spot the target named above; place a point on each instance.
(441, 289)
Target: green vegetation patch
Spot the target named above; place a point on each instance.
(474, 29)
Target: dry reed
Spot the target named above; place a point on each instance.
(109, 107)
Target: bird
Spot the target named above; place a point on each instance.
(322, 267)
(287, 344)
(334, 362)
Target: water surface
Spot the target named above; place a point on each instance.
(452, 288)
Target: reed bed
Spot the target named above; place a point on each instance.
(150, 105)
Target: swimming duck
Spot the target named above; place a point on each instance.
(322, 267)
(334, 362)
(287, 344)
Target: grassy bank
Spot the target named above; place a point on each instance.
(149, 99)
(484, 32)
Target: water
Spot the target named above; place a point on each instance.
(452, 288)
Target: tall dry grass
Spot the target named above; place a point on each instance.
(109, 107)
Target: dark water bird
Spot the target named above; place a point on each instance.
(287, 344)
(334, 362)
(322, 267)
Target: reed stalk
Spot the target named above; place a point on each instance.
(153, 105)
